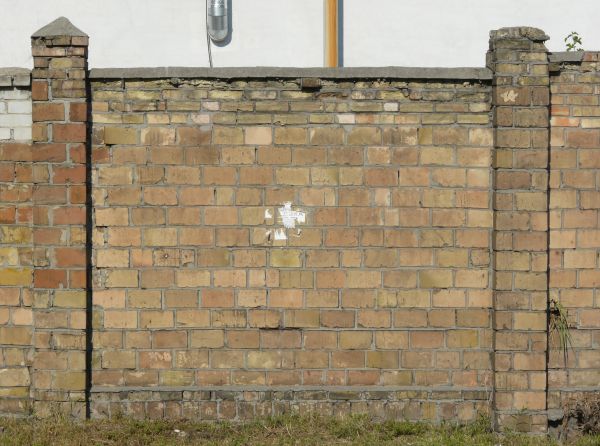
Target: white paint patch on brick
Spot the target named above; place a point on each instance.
(19, 106)
(15, 94)
(347, 118)
(290, 217)
(8, 120)
(280, 234)
(22, 133)
(510, 96)
(15, 114)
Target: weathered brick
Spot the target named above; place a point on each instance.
(118, 135)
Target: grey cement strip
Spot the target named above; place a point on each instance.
(276, 72)
(566, 56)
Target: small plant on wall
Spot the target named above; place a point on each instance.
(573, 42)
(559, 326)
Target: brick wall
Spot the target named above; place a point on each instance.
(16, 241)
(233, 243)
(386, 283)
(574, 226)
(60, 233)
(519, 60)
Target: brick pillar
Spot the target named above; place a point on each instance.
(519, 61)
(59, 220)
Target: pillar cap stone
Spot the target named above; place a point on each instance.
(59, 27)
(519, 32)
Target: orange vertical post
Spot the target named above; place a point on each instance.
(331, 33)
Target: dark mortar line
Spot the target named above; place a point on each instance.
(548, 237)
(89, 315)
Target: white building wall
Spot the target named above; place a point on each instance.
(131, 33)
(455, 32)
(149, 33)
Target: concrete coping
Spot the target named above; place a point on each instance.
(460, 74)
(566, 56)
(59, 27)
(15, 77)
(519, 32)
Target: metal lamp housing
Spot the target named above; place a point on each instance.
(217, 20)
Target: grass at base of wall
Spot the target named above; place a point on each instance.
(284, 430)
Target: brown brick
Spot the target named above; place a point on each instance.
(39, 90)
(69, 132)
(48, 112)
(78, 111)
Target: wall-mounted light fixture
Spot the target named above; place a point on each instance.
(217, 19)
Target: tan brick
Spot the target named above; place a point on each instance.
(228, 135)
(192, 359)
(291, 136)
(143, 299)
(118, 360)
(286, 258)
(355, 340)
(120, 319)
(426, 339)
(13, 377)
(238, 155)
(529, 321)
(14, 276)
(363, 279)
(462, 339)
(192, 136)
(156, 319)
(160, 237)
(120, 135)
(70, 380)
(70, 299)
(155, 360)
(15, 335)
(192, 278)
(435, 278)
(121, 278)
(365, 136)
(292, 176)
(207, 339)
(326, 136)
(258, 136)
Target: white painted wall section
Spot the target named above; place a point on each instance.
(148, 33)
(448, 33)
(15, 114)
